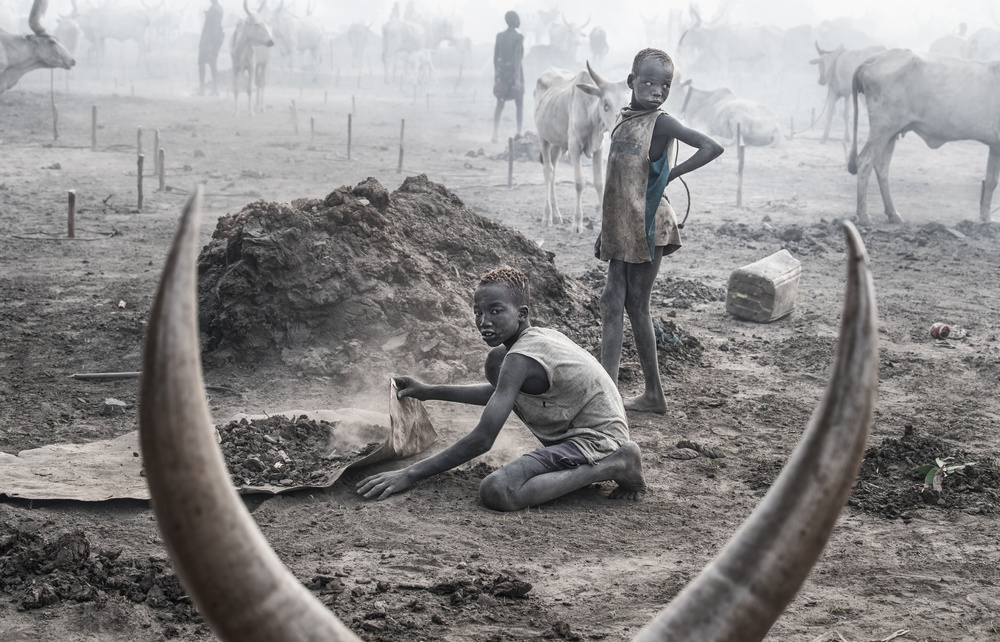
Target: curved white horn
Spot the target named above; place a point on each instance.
(246, 8)
(35, 17)
(217, 549)
(593, 74)
(744, 590)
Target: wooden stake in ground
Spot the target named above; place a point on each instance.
(348, 136)
(510, 162)
(739, 174)
(139, 162)
(352, 103)
(163, 174)
(138, 140)
(52, 99)
(295, 118)
(156, 153)
(93, 128)
(402, 130)
(71, 218)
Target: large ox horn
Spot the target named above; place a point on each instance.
(218, 551)
(245, 593)
(744, 590)
(35, 17)
(819, 49)
(593, 74)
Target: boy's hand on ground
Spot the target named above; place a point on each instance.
(384, 484)
(410, 387)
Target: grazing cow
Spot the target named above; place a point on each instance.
(982, 44)
(251, 36)
(598, 44)
(400, 37)
(21, 54)
(572, 112)
(122, 24)
(942, 99)
(294, 34)
(719, 111)
(244, 591)
(747, 48)
(836, 72)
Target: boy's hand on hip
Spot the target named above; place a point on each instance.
(384, 484)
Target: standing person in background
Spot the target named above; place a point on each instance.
(209, 46)
(508, 82)
(639, 227)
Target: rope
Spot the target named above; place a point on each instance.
(812, 124)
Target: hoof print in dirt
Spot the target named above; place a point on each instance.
(364, 282)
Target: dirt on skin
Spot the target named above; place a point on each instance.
(598, 569)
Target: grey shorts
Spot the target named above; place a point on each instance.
(559, 456)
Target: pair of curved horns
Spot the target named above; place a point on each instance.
(246, 593)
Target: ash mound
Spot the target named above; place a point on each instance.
(364, 283)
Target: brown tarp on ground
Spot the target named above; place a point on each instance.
(111, 468)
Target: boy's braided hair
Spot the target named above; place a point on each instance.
(513, 279)
(651, 54)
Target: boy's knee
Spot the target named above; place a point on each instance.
(496, 494)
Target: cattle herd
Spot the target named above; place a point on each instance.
(734, 80)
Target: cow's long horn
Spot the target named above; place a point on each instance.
(246, 7)
(819, 49)
(35, 17)
(593, 74)
(743, 591)
(217, 549)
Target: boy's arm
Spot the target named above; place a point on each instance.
(514, 372)
(668, 127)
(475, 394)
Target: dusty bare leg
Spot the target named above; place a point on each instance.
(639, 288)
(526, 482)
(612, 318)
(496, 120)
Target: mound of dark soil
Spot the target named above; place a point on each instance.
(890, 485)
(363, 283)
(282, 452)
(39, 572)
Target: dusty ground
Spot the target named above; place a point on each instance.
(433, 564)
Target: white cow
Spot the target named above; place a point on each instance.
(249, 60)
(572, 112)
(296, 34)
(940, 98)
(21, 54)
(719, 111)
(836, 72)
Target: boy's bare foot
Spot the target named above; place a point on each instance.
(628, 462)
(647, 403)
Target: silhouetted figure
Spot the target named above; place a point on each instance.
(508, 82)
(209, 47)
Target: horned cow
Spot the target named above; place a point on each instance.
(21, 54)
(245, 593)
(942, 99)
(572, 112)
(251, 35)
(719, 111)
(836, 71)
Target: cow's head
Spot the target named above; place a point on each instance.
(825, 62)
(245, 593)
(49, 51)
(611, 97)
(258, 31)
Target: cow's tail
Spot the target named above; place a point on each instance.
(856, 88)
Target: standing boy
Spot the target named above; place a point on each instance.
(560, 392)
(639, 226)
(508, 79)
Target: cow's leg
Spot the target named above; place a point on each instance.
(881, 164)
(847, 118)
(555, 153)
(831, 105)
(576, 158)
(548, 171)
(992, 172)
(236, 92)
(598, 181)
(864, 170)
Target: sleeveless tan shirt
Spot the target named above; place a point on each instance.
(581, 406)
(623, 233)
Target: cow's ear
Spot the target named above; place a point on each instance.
(588, 89)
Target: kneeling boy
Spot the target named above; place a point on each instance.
(560, 392)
